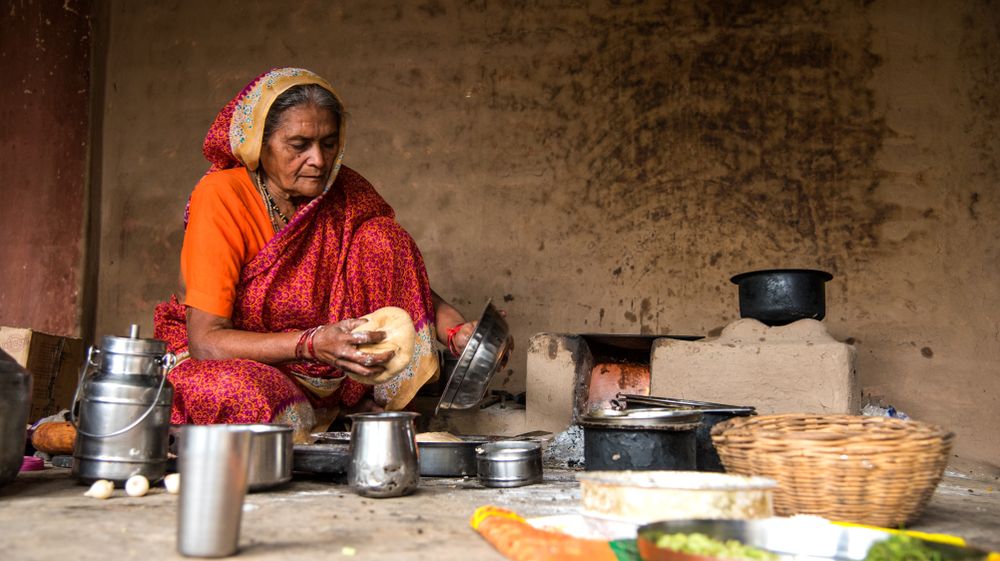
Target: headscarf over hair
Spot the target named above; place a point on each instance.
(235, 136)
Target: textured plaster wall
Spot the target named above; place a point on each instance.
(606, 167)
(44, 101)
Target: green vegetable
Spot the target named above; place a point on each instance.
(700, 544)
(902, 548)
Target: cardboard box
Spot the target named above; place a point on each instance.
(54, 363)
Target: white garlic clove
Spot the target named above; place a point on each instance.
(136, 486)
(173, 483)
(101, 489)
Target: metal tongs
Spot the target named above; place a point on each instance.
(623, 401)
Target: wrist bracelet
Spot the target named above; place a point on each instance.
(309, 341)
(451, 339)
(300, 345)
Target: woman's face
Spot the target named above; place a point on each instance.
(299, 155)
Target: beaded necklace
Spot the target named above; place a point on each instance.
(272, 207)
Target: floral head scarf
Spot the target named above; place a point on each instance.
(236, 135)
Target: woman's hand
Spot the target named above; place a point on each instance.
(458, 341)
(335, 345)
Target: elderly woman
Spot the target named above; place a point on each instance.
(283, 248)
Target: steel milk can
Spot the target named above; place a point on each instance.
(124, 403)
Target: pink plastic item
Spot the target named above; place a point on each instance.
(32, 463)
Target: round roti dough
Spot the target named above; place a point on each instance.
(400, 336)
(437, 437)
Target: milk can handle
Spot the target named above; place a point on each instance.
(166, 363)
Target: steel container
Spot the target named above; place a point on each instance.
(509, 463)
(450, 459)
(213, 461)
(270, 456)
(122, 410)
(383, 454)
(15, 401)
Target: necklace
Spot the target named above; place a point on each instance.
(272, 207)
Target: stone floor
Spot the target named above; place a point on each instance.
(44, 516)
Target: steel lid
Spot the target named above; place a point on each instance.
(132, 345)
(642, 418)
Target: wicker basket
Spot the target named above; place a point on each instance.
(868, 470)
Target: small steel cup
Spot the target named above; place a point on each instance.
(383, 454)
(213, 462)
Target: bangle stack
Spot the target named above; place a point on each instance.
(304, 349)
(451, 339)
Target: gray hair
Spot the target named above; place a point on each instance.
(302, 94)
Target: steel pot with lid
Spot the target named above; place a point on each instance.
(15, 401)
(122, 410)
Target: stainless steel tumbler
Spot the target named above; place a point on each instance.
(212, 461)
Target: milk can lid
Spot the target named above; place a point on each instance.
(132, 344)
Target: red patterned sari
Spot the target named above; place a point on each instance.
(342, 256)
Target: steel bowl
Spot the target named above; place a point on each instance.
(486, 351)
(270, 456)
(509, 463)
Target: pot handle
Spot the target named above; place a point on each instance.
(167, 362)
(92, 355)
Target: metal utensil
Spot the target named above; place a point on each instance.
(450, 459)
(486, 351)
(509, 463)
(124, 410)
(270, 456)
(213, 462)
(383, 454)
(798, 538)
(625, 400)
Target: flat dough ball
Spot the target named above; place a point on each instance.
(437, 437)
(400, 336)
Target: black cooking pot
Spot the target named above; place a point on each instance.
(781, 296)
(640, 440)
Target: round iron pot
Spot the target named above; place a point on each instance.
(640, 440)
(781, 296)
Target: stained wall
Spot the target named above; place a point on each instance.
(606, 167)
(44, 111)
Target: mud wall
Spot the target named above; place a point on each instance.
(606, 167)
(44, 102)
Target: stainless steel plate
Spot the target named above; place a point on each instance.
(478, 363)
(799, 538)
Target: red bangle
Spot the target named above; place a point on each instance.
(451, 339)
(300, 345)
(309, 342)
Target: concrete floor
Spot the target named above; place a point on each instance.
(44, 516)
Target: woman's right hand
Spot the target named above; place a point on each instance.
(335, 345)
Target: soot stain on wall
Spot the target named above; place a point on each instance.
(751, 122)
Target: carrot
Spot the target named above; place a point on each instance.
(519, 541)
